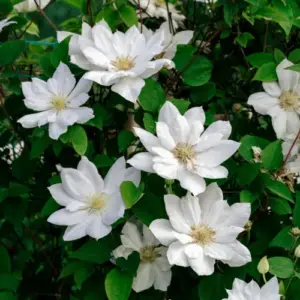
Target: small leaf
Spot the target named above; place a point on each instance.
(259, 59)
(181, 104)
(244, 38)
(296, 212)
(279, 56)
(10, 51)
(279, 189)
(247, 142)
(294, 56)
(79, 139)
(118, 285)
(266, 72)
(247, 197)
(281, 267)
(294, 68)
(247, 173)
(280, 206)
(125, 139)
(283, 239)
(128, 15)
(272, 156)
(149, 122)
(61, 53)
(204, 93)
(5, 264)
(130, 193)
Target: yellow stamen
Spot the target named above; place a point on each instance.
(148, 254)
(289, 101)
(203, 234)
(184, 152)
(58, 102)
(123, 63)
(97, 201)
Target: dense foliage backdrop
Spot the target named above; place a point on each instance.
(234, 47)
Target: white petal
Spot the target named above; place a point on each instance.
(147, 139)
(180, 129)
(287, 79)
(176, 255)
(228, 234)
(114, 209)
(144, 277)
(129, 88)
(270, 291)
(216, 128)
(162, 279)
(76, 184)
(195, 114)
(164, 135)
(56, 129)
(103, 77)
(272, 88)
(36, 120)
(149, 239)
(293, 122)
(59, 194)
(279, 122)
(168, 113)
(89, 170)
(142, 161)
(163, 231)
(191, 209)
(131, 237)
(262, 102)
(168, 170)
(177, 219)
(202, 265)
(82, 87)
(240, 214)
(115, 176)
(122, 251)
(193, 250)
(155, 66)
(212, 173)
(214, 156)
(133, 175)
(208, 141)
(65, 217)
(78, 100)
(191, 182)
(76, 232)
(97, 230)
(95, 57)
(195, 131)
(218, 251)
(240, 255)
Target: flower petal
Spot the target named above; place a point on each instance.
(164, 135)
(144, 277)
(168, 113)
(36, 120)
(76, 232)
(287, 79)
(162, 279)
(270, 291)
(147, 139)
(163, 231)
(142, 161)
(97, 230)
(202, 264)
(131, 237)
(262, 102)
(212, 173)
(272, 88)
(195, 114)
(65, 217)
(240, 255)
(191, 182)
(216, 128)
(176, 255)
(59, 194)
(103, 77)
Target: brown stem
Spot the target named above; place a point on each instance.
(141, 17)
(291, 148)
(45, 16)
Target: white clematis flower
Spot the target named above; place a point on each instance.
(251, 291)
(280, 100)
(30, 5)
(5, 23)
(158, 9)
(203, 229)
(58, 101)
(183, 150)
(120, 60)
(92, 204)
(154, 268)
(170, 41)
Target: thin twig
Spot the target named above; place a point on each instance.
(90, 12)
(170, 20)
(45, 16)
(290, 150)
(141, 17)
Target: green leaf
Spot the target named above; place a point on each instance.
(281, 267)
(5, 8)
(272, 157)
(266, 72)
(3, 194)
(294, 56)
(5, 264)
(181, 104)
(102, 160)
(149, 122)
(118, 285)
(61, 53)
(39, 146)
(128, 15)
(280, 206)
(125, 139)
(247, 197)
(10, 51)
(45, 62)
(79, 139)
(259, 59)
(17, 189)
(295, 68)
(8, 282)
(244, 38)
(247, 173)
(279, 189)
(152, 96)
(95, 251)
(7, 296)
(283, 239)
(199, 72)
(50, 207)
(130, 264)
(130, 193)
(204, 93)
(71, 268)
(111, 16)
(296, 212)
(249, 141)
(279, 56)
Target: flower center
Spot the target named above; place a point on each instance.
(159, 3)
(148, 254)
(203, 234)
(289, 100)
(58, 102)
(123, 63)
(184, 152)
(97, 201)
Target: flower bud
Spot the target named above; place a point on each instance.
(297, 251)
(263, 266)
(295, 231)
(237, 107)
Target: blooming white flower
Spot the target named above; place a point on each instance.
(58, 101)
(120, 60)
(203, 229)
(92, 204)
(250, 291)
(154, 268)
(158, 9)
(280, 100)
(30, 5)
(5, 23)
(170, 41)
(182, 149)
